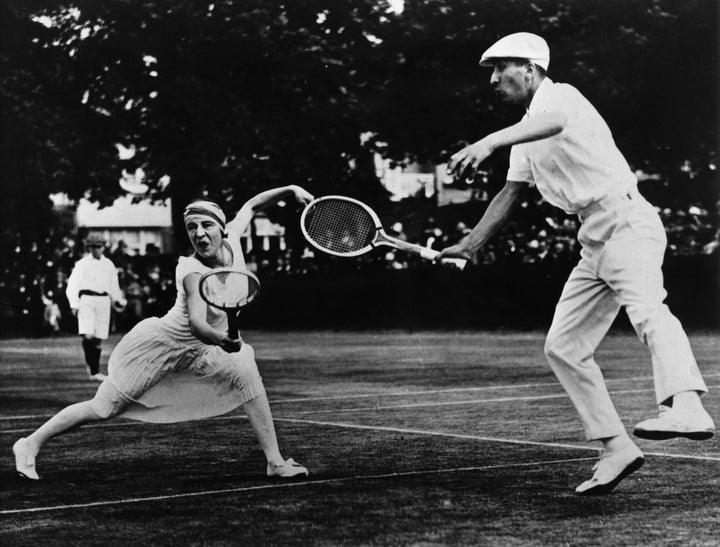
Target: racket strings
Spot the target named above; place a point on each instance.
(229, 289)
(340, 226)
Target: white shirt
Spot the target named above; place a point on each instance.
(580, 165)
(90, 274)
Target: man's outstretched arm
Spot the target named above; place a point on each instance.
(496, 215)
(466, 161)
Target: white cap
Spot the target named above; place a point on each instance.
(521, 45)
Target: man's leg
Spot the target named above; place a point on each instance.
(87, 320)
(97, 330)
(92, 350)
(585, 312)
(633, 268)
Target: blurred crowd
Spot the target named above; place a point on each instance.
(34, 273)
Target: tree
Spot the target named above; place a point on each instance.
(41, 151)
(229, 98)
(226, 98)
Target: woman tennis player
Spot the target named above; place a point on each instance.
(183, 366)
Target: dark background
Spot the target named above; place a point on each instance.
(231, 98)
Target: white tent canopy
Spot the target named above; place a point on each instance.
(124, 214)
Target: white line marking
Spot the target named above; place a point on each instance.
(416, 393)
(286, 485)
(397, 407)
(396, 430)
(480, 438)
(453, 403)
(355, 409)
(408, 393)
(82, 384)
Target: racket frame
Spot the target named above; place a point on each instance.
(230, 311)
(381, 237)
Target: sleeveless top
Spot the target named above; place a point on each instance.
(176, 322)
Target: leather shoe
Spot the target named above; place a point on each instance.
(610, 470)
(673, 423)
(24, 460)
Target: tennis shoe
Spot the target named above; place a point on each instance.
(98, 376)
(289, 468)
(674, 422)
(610, 470)
(24, 460)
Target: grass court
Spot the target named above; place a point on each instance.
(412, 438)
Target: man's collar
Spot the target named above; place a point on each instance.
(542, 90)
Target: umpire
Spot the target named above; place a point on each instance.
(92, 287)
(564, 147)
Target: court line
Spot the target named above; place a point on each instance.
(384, 407)
(79, 385)
(355, 478)
(455, 403)
(363, 477)
(280, 419)
(398, 394)
(359, 396)
(359, 477)
(358, 409)
(482, 438)
(440, 391)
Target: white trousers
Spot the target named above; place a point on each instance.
(623, 244)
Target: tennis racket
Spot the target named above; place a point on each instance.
(344, 226)
(229, 290)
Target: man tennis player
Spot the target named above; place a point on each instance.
(92, 287)
(564, 147)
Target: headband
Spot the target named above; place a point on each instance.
(205, 208)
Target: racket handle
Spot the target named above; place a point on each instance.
(232, 325)
(430, 254)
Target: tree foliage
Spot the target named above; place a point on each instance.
(224, 97)
(230, 98)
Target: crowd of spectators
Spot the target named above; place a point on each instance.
(34, 275)
(34, 271)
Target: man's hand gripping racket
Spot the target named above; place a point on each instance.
(344, 226)
(229, 290)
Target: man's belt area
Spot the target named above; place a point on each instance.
(608, 202)
(92, 293)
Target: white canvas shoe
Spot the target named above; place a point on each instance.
(289, 468)
(24, 460)
(98, 376)
(610, 470)
(673, 423)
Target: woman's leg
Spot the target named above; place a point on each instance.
(260, 418)
(240, 370)
(69, 418)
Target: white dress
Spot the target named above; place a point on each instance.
(159, 372)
